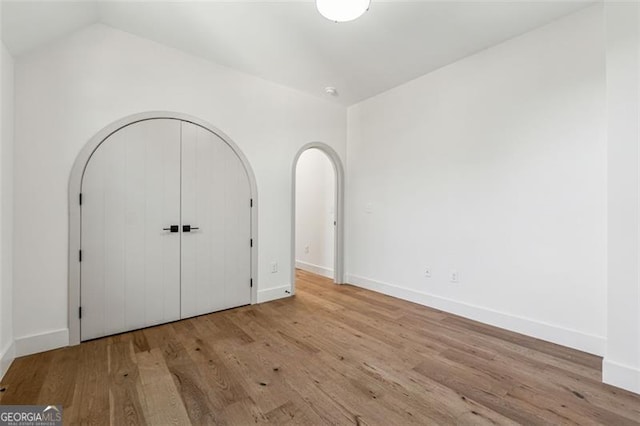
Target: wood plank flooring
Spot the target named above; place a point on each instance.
(330, 355)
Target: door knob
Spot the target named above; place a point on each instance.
(172, 228)
(188, 228)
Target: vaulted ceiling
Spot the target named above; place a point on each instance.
(288, 42)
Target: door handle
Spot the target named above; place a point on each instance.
(172, 228)
(188, 228)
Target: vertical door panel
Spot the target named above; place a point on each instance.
(130, 271)
(237, 232)
(215, 197)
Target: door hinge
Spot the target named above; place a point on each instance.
(80, 197)
(79, 255)
(251, 202)
(80, 312)
(251, 242)
(251, 282)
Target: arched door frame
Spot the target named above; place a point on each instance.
(338, 239)
(75, 216)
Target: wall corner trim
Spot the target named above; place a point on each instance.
(529, 327)
(315, 269)
(621, 375)
(7, 356)
(275, 293)
(42, 342)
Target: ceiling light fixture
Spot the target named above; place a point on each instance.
(342, 10)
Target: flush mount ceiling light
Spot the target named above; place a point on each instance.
(342, 10)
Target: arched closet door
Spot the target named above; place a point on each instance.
(166, 228)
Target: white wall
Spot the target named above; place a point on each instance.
(621, 365)
(493, 167)
(315, 212)
(6, 210)
(68, 91)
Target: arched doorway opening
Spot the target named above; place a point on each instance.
(328, 220)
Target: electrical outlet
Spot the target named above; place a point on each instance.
(306, 249)
(274, 267)
(427, 272)
(455, 277)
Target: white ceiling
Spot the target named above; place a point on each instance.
(290, 43)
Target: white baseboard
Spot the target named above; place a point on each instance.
(315, 269)
(274, 293)
(42, 342)
(621, 376)
(540, 330)
(7, 356)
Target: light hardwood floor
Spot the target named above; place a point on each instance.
(329, 355)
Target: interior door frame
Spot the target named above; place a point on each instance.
(75, 213)
(338, 232)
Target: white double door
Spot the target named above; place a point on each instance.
(166, 228)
